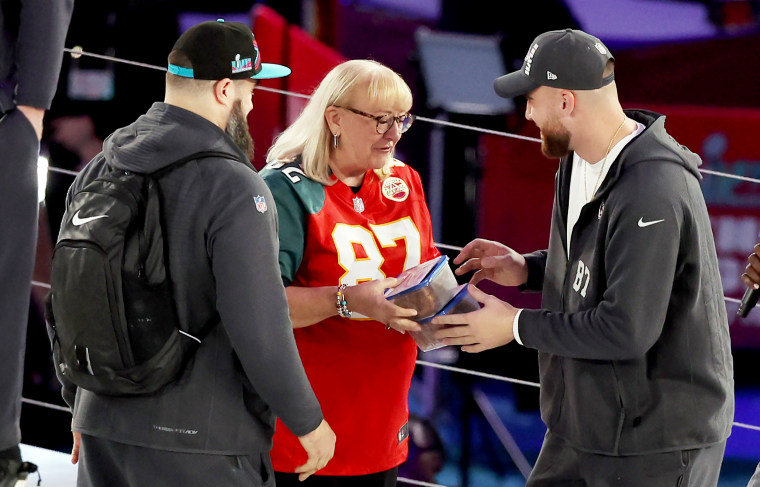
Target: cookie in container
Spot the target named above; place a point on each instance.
(462, 302)
(426, 287)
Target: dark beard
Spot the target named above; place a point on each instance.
(555, 141)
(237, 129)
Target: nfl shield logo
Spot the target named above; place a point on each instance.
(261, 203)
(358, 205)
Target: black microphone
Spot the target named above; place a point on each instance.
(749, 300)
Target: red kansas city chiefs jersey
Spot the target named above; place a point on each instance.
(360, 371)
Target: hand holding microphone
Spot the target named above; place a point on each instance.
(751, 278)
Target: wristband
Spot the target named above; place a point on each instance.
(341, 303)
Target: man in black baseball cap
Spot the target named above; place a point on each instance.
(569, 59)
(632, 338)
(215, 51)
(214, 424)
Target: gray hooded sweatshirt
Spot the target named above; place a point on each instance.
(223, 251)
(633, 341)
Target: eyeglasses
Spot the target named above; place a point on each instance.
(384, 122)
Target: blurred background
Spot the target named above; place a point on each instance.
(696, 61)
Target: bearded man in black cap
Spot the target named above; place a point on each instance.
(634, 351)
(214, 425)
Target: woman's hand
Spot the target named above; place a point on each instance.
(368, 298)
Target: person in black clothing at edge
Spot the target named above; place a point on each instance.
(31, 51)
(214, 425)
(634, 352)
(751, 278)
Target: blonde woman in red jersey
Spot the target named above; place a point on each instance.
(350, 218)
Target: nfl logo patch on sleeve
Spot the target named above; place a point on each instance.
(403, 433)
(261, 203)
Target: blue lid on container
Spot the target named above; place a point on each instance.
(417, 277)
(461, 293)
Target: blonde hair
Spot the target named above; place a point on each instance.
(310, 137)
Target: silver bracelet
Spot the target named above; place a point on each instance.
(341, 303)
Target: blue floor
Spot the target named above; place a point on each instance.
(491, 466)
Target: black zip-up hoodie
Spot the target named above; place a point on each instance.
(633, 340)
(223, 252)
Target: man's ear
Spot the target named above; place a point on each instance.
(567, 102)
(224, 92)
(333, 119)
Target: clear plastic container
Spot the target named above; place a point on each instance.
(426, 287)
(462, 302)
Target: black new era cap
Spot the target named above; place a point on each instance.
(568, 59)
(219, 49)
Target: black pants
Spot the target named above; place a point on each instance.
(559, 464)
(104, 463)
(19, 149)
(386, 478)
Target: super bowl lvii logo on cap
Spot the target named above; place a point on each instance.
(240, 65)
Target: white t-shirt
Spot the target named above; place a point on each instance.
(593, 173)
(580, 192)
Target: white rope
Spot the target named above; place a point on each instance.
(77, 52)
(418, 482)
(476, 129)
(478, 374)
(747, 426)
(449, 247)
(63, 171)
(46, 405)
(283, 92)
(731, 176)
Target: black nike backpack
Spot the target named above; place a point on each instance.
(110, 313)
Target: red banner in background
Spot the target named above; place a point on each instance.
(517, 192)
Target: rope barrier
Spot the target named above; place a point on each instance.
(478, 374)
(731, 176)
(62, 171)
(474, 373)
(418, 482)
(747, 426)
(76, 52)
(448, 247)
(46, 405)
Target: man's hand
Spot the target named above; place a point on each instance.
(368, 298)
(75, 448)
(493, 261)
(320, 446)
(489, 327)
(35, 116)
(751, 276)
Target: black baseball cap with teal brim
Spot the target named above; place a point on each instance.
(567, 59)
(218, 50)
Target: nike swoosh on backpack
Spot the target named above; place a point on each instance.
(81, 221)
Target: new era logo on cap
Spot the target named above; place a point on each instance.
(565, 59)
